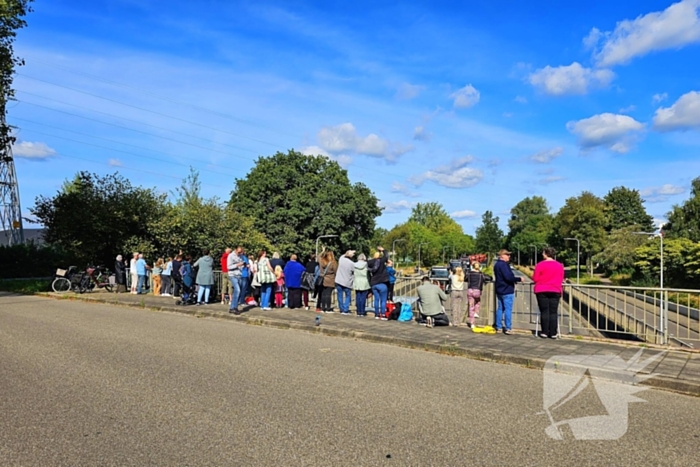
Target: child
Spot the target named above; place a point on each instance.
(157, 270)
(279, 287)
(392, 279)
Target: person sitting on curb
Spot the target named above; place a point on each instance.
(431, 299)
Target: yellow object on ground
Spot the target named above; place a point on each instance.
(483, 329)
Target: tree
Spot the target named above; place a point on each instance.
(94, 218)
(583, 217)
(293, 199)
(625, 207)
(680, 256)
(431, 215)
(684, 220)
(530, 224)
(489, 236)
(618, 255)
(12, 13)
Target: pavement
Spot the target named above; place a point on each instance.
(91, 384)
(676, 370)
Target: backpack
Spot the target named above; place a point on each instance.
(183, 271)
(393, 310)
(406, 313)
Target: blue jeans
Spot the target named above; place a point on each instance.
(141, 283)
(244, 289)
(203, 290)
(265, 294)
(344, 298)
(505, 307)
(361, 301)
(236, 284)
(380, 291)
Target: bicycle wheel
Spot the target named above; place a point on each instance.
(108, 287)
(60, 285)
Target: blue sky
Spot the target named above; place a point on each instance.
(476, 105)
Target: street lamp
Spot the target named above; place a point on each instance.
(517, 245)
(578, 257)
(319, 238)
(660, 234)
(534, 262)
(393, 246)
(419, 263)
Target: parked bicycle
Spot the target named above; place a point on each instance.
(67, 280)
(71, 279)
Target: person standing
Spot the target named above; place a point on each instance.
(157, 271)
(234, 270)
(380, 283)
(293, 272)
(166, 284)
(456, 296)
(328, 268)
(361, 284)
(310, 271)
(266, 278)
(279, 287)
(343, 281)
(142, 273)
(205, 276)
(175, 276)
(120, 274)
(277, 261)
(431, 300)
(133, 273)
(548, 278)
(392, 280)
(245, 277)
(475, 281)
(505, 291)
(226, 287)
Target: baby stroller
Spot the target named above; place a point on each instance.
(188, 295)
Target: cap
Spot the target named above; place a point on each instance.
(503, 252)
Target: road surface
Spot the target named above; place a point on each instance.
(88, 385)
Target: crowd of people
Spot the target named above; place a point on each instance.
(263, 281)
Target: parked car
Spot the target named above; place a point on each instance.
(440, 274)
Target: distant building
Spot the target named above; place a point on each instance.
(35, 236)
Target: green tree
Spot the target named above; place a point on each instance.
(618, 255)
(625, 207)
(680, 256)
(294, 198)
(12, 13)
(530, 224)
(93, 218)
(431, 215)
(684, 220)
(489, 236)
(583, 217)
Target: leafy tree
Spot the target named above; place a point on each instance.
(680, 262)
(489, 236)
(684, 220)
(94, 218)
(293, 199)
(431, 215)
(618, 254)
(625, 207)
(12, 13)
(530, 224)
(583, 217)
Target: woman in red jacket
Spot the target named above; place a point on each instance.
(548, 278)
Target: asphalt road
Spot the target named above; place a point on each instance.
(87, 385)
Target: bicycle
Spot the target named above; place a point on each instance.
(97, 277)
(67, 280)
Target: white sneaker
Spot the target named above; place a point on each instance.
(476, 315)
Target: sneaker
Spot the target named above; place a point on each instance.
(429, 321)
(476, 315)
(507, 332)
(543, 336)
(553, 337)
(384, 318)
(199, 303)
(306, 308)
(233, 310)
(376, 317)
(329, 311)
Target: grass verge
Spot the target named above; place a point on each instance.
(29, 286)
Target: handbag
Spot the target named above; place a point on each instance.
(319, 280)
(265, 276)
(307, 281)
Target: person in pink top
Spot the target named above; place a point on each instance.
(548, 278)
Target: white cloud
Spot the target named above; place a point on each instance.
(628, 109)
(571, 79)
(342, 159)
(465, 97)
(684, 114)
(397, 187)
(463, 214)
(676, 26)
(115, 163)
(33, 151)
(660, 194)
(656, 98)
(398, 206)
(408, 91)
(552, 179)
(613, 131)
(545, 157)
(344, 138)
(520, 100)
(421, 134)
(455, 174)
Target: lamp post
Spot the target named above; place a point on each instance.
(319, 238)
(534, 262)
(419, 263)
(393, 246)
(662, 320)
(578, 258)
(517, 245)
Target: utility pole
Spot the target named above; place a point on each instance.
(10, 210)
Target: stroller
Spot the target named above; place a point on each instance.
(188, 295)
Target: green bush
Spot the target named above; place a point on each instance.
(30, 260)
(25, 286)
